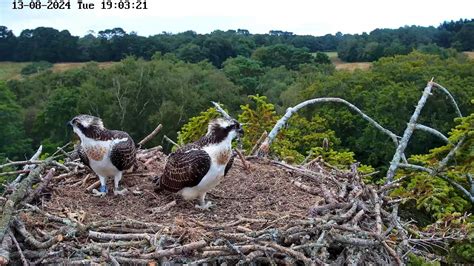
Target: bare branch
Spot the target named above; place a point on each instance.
(458, 186)
(20, 163)
(22, 256)
(408, 132)
(259, 141)
(110, 236)
(450, 155)
(171, 141)
(242, 158)
(222, 111)
(41, 187)
(416, 167)
(443, 89)
(29, 167)
(150, 136)
(432, 131)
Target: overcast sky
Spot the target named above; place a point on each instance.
(258, 16)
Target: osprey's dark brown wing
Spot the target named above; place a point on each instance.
(185, 169)
(123, 154)
(83, 156)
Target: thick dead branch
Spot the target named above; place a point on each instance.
(30, 239)
(29, 166)
(41, 187)
(408, 132)
(17, 196)
(378, 217)
(150, 136)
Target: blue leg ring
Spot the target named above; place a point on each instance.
(103, 189)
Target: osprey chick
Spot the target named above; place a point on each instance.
(198, 167)
(106, 152)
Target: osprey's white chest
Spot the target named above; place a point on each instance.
(98, 153)
(220, 155)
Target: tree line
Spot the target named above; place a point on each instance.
(49, 44)
(135, 95)
(457, 35)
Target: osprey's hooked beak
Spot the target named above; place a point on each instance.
(69, 123)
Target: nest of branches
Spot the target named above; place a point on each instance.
(267, 212)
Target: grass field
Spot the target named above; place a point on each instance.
(11, 70)
(470, 55)
(8, 70)
(331, 55)
(341, 65)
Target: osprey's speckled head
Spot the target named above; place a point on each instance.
(221, 128)
(83, 125)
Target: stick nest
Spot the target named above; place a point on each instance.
(266, 212)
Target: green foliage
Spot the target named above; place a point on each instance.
(13, 142)
(244, 72)
(134, 95)
(463, 252)
(192, 53)
(36, 67)
(282, 55)
(414, 260)
(257, 117)
(301, 136)
(196, 127)
(114, 44)
(322, 58)
(388, 42)
(387, 93)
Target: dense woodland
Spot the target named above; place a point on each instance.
(48, 44)
(171, 79)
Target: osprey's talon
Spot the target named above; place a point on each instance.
(101, 192)
(97, 193)
(205, 207)
(120, 192)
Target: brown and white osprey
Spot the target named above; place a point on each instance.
(198, 167)
(106, 152)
